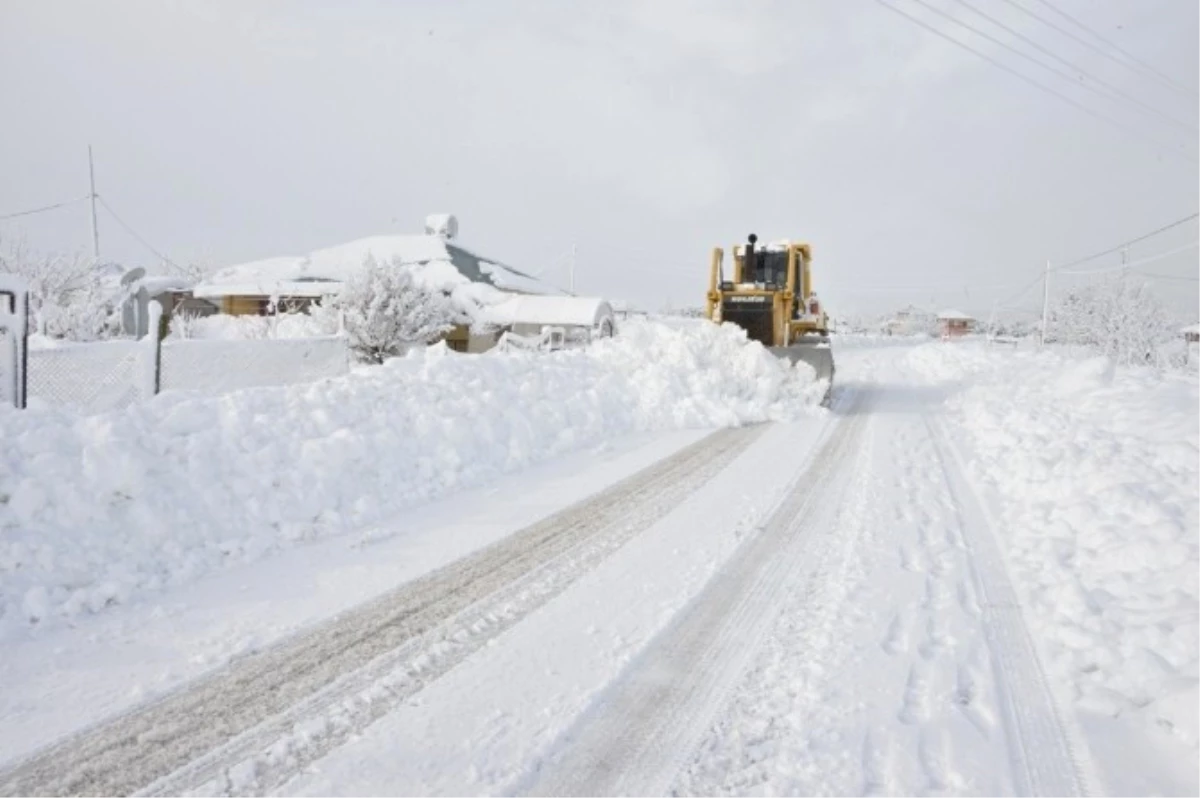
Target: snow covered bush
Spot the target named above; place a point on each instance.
(68, 294)
(385, 311)
(1118, 317)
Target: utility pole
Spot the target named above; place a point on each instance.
(95, 229)
(571, 278)
(1045, 302)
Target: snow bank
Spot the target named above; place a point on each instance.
(1094, 472)
(96, 510)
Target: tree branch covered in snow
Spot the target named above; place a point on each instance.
(385, 311)
(67, 297)
(1118, 317)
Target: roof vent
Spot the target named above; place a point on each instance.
(441, 224)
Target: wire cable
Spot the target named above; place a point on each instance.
(1032, 82)
(134, 234)
(44, 208)
(1113, 92)
(1162, 77)
(1124, 244)
(1139, 262)
(1166, 276)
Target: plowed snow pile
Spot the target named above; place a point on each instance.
(1094, 475)
(94, 510)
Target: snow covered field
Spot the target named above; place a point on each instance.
(975, 574)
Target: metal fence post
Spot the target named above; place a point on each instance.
(15, 320)
(152, 355)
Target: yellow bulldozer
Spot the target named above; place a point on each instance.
(771, 297)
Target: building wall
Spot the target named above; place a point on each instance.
(261, 305)
(461, 339)
(244, 305)
(955, 328)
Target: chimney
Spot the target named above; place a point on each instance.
(441, 224)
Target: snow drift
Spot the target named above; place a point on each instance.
(1094, 472)
(95, 510)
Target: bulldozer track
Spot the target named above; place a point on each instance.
(1044, 754)
(248, 727)
(633, 743)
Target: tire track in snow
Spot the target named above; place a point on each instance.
(636, 738)
(937, 635)
(429, 625)
(1044, 758)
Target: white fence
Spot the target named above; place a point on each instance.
(94, 377)
(218, 366)
(109, 375)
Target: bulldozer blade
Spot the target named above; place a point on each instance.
(819, 355)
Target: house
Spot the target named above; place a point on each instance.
(437, 260)
(174, 294)
(574, 316)
(911, 320)
(1191, 333)
(954, 324)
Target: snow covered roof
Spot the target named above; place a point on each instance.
(435, 261)
(954, 315)
(162, 283)
(566, 311)
(1191, 329)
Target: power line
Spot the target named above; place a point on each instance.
(43, 209)
(1029, 80)
(133, 233)
(1139, 262)
(1113, 91)
(1124, 244)
(1164, 78)
(1167, 276)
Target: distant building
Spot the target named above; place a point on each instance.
(1192, 339)
(911, 320)
(954, 324)
(174, 294)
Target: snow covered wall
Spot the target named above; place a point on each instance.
(96, 510)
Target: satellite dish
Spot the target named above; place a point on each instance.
(133, 275)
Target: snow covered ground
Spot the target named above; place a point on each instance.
(975, 574)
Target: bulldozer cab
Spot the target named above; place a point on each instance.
(765, 268)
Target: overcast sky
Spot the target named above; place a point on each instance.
(643, 133)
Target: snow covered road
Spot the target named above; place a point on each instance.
(380, 654)
(820, 606)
